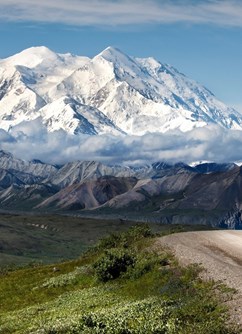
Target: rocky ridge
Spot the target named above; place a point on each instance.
(159, 192)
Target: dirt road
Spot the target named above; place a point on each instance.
(219, 252)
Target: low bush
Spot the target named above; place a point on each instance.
(113, 263)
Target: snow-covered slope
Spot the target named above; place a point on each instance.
(111, 93)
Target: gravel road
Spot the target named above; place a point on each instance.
(219, 252)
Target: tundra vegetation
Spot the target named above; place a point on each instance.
(122, 285)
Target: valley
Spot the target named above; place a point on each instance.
(37, 239)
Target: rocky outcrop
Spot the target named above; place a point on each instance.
(232, 220)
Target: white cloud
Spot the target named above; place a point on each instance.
(211, 143)
(123, 12)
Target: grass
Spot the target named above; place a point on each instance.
(149, 293)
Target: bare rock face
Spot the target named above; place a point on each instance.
(89, 194)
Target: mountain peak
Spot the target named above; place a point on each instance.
(111, 50)
(32, 57)
(40, 49)
(114, 55)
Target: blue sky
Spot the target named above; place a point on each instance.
(202, 39)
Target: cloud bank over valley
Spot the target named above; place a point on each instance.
(31, 140)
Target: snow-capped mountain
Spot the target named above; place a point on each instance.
(110, 93)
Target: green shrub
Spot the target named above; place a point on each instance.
(111, 241)
(113, 263)
(145, 262)
(70, 278)
(139, 231)
(125, 239)
(149, 316)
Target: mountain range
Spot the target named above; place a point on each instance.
(114, 94)
(111, 93)
(160, 192)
